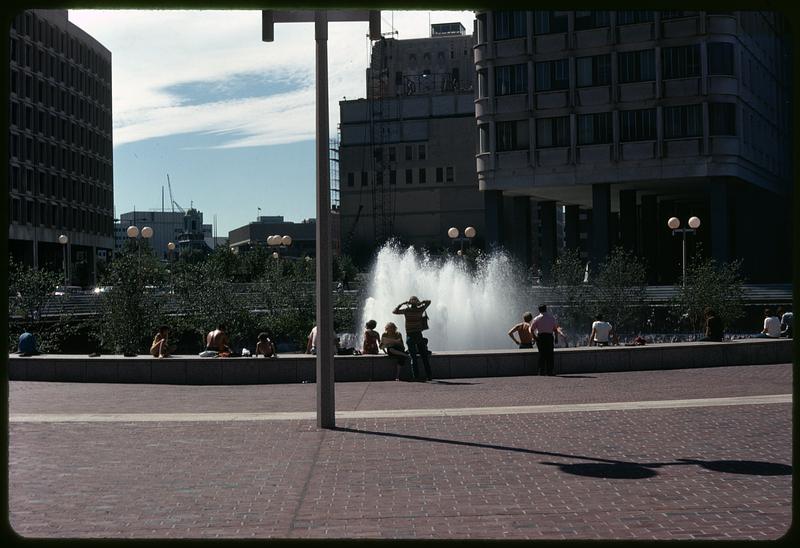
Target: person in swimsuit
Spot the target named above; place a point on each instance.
(524, 329)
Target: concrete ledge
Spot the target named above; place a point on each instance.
(292, 368)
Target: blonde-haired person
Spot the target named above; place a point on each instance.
(392, 344)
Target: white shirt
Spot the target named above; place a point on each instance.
(772, 326)
(313, 336)
(601, 331)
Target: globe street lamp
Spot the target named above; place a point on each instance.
(469, 233)
(63, 240)
(171, 249)
(674, 223)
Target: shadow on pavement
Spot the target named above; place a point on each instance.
(452, 382)
(576, 377)
(606, 468)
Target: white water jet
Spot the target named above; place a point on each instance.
(468, 311)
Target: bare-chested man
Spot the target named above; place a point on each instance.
(524, 329)
(217, 340)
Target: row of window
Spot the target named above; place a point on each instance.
(66, 102)
(513, 24)
(421, 151)
(683, 121)
(595, 70)
(38, 30)
(25, 118)
(49, 155)
(441, 175)
(55, 216)
(60, 187)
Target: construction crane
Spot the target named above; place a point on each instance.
(172, 200)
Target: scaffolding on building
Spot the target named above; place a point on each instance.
(333, 150)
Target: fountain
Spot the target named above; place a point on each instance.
(468, 311)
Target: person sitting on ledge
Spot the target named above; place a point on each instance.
(371, 338)
(602, 332)
(772, 326)
(713, 331)
(217, 340)
(787, 322)
(265, 346)
(160, 347)
(27, 344)
(392, 344)
(524, 329)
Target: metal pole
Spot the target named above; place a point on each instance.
(326, 410)
(66, 281)
(684, 258)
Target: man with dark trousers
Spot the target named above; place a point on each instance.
(413, 310)
(545, 326)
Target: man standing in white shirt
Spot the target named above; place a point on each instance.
(601, 332)
(544, 327)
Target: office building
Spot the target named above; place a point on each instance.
(255, 234)
(627, 118)
(60, 168)
(183, 228)
(406, 156)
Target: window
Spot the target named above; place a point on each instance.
(552, 132)
(392, 154)
(722, 118)
(422, 175)
(483, 83)
(379, 177)
(409, 176)
(449, 174)
(351, 179)
(364, 178)
(547, 22)
(683, 121)
(512, 135)
(638, 125)
(681, 61)
(637, 66)
(720, 58)
(511, 79)
(631, 17)
(439, 175)
(593, 71)
(409, 152)
(483, 138)
(594, 129)
(392, 177)
(552, 75)
(421, 152)
(509, 24)
(377, 153)
(591, 19)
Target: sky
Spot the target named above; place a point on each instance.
(197, 95)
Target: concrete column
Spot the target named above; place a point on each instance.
(547, 223)
(613, 230)
(659, 132)
(614, 95)
(601, 221)
(703, 67)
(571, 228)
(94, 266)
(659, 89)
(649, 236)
(706, 129)
(518, 240)
(493, 200)
(720, 221)
(627, 220)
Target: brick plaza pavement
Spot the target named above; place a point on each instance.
(708, 471)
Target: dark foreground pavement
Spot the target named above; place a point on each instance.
(98, 460)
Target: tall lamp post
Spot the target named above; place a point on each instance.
(674, 223)
(326, 409)
(64, 240)
(170, 250)
(469, 233)
(277, 243)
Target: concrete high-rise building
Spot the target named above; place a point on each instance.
(406, 156)
(60, 145)
(627, 118)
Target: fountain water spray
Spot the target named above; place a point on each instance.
(468, 311)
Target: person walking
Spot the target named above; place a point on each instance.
(544, 328)
(416, 321)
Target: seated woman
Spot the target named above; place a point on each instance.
(602, 332)
(265, 346)
(392, 344)
(160, 347)
(371, 338)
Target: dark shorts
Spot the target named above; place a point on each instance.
(526, 345)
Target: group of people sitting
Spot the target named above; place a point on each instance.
(217, 344)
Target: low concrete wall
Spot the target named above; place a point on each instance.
(293, 368)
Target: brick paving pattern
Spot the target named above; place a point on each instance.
(706, 472)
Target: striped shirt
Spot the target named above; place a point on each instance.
(413, 317)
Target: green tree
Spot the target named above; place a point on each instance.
(710, 284)
(620, 285)
(134, 306)
(29, 290)
(566, 279)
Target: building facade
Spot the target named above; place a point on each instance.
(627, 118)
(183, 228)
(406, 156)
(60, 145)
(304, 236)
